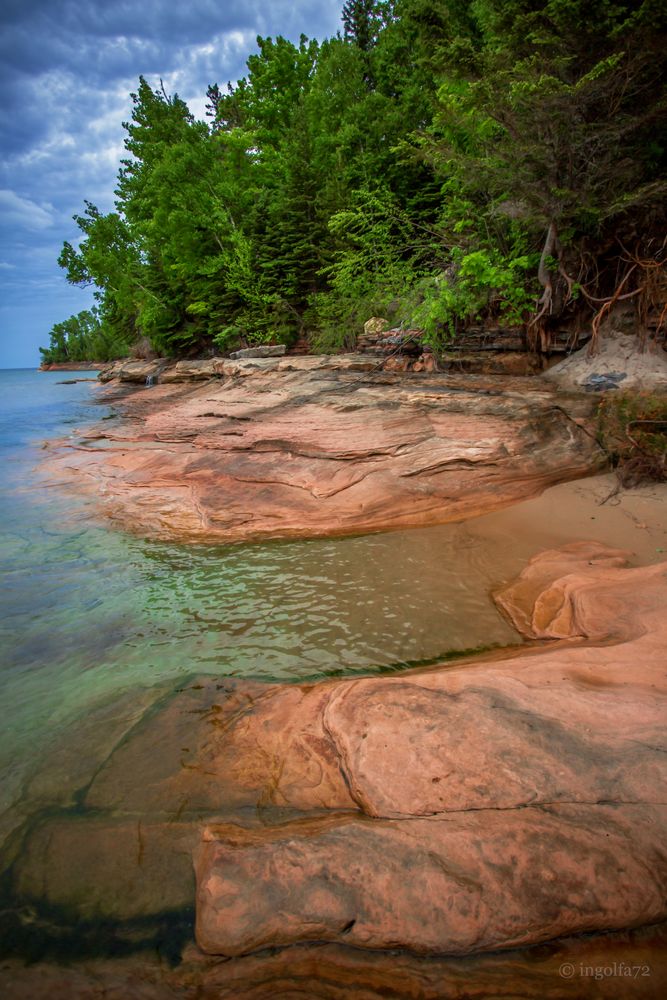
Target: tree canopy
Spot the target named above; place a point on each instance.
(437, 162)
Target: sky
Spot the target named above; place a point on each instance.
(67, 69)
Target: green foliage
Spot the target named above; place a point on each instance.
(410, 167)
(632, 429)
(478, 284)
(380, 256)
(82, 338)
(544, 121)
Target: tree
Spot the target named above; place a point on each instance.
(82, 338)
(550, 128)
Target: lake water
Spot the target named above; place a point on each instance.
(90, 614)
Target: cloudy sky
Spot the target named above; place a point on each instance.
(68, 68)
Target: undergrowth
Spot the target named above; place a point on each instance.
(632, 429)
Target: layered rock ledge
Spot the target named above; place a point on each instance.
(313, 446)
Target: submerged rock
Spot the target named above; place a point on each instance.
(499, 804)
(502, 801)
(614, 966)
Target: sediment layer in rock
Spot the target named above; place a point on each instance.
(302, 447)
(616, 966)
(470, 881)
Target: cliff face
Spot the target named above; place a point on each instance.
(303, 447)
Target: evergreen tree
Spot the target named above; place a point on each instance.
(443, 160)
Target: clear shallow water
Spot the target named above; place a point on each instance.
(90, 614)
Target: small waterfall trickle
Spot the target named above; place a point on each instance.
(150, 380)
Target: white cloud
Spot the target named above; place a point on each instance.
(23, 213)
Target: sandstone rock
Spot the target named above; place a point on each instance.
(256, 746)
(73, 757)
(108, 868)
(615, 966)
(486, 338)
(192, 371)
(398, 365)
(139, 371)
(395, 343)
(497, 803)
(526, 790)
(302, 447)
(539, 779)
(489, 362)
(133, 371)
(471, 882)
(265, 351)
(110, 372)
(72, 366)
(565, 725)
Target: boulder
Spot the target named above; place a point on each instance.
(139, 372)
(375, 325)
(192, 371)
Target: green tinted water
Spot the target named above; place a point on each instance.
(89, 611)
(93, 619)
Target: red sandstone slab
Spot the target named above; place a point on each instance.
(471, 882)
(301, 451)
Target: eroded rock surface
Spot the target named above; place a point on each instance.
(302, 447)
(498, 804)
(471, 881)
(614, 966)
(495, 803)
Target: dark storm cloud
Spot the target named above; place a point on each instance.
(67, 68)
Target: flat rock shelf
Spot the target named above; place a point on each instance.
(306, 447)
(483, 825)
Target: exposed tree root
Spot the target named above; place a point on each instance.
(570, 291)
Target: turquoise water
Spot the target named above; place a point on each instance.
(89, 613)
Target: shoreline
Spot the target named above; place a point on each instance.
(73, 366)
(547, 756)
(523, 782)
(593, 508)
